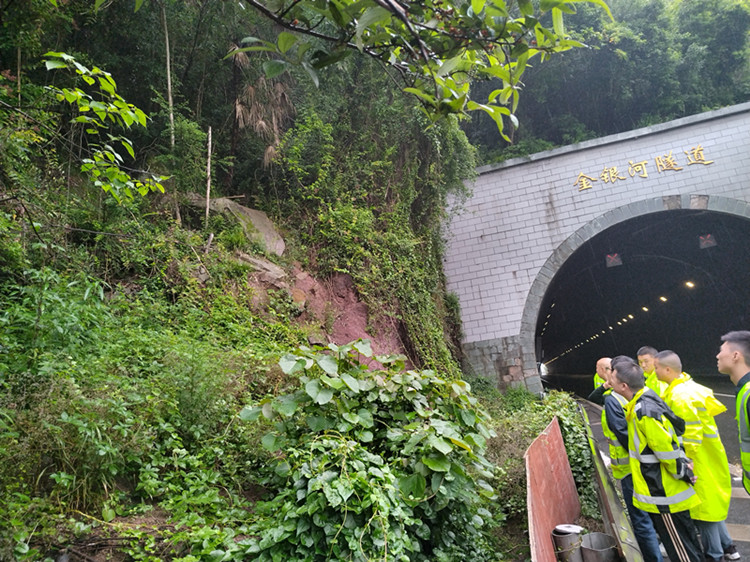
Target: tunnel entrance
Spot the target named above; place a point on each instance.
(676, 279)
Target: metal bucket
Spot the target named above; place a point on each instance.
(599, 547)
(567, 540)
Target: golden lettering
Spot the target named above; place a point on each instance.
(666, 162)
(695, 156)
(584, 182)
(610, 175)
(637, 168)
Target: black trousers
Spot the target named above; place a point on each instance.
(679, 535)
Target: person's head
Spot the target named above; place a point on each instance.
(617, 360)
(667, 365)
(603, 367)
(734, 354)
(646, 356)
(628, 378)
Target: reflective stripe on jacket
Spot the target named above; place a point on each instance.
(743, 419)
(697, 405)
(657, 460)
(618, 455)
(598, 381)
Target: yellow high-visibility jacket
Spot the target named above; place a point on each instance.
(618, 455)
(661, 474)
(598, 381)
(743, 420)
(697, 405)
(653, 382)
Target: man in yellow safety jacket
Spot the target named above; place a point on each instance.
(697, 406)
(734, 360)
(602, 371)
(646, 355)
(662, 474)
(615, 429)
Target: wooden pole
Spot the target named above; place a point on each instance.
(208, 176)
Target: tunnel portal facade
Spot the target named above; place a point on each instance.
(527, 216)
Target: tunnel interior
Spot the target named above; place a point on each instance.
(677, 280)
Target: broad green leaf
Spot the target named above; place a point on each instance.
(52, 64)
(557, 21)
(437, 463)
(371, 17)
(412, 485)
(333, 382)
(108, 514)
(286, 406)
(313, 388)
(351, 417)
(285, 41)
(290, 363)
(282, 468)
(350, 381)
(365, 418)
(477, 6)
(449, 66)
(267, 410)
(365, 436)
(526, 7)
(460, 443)
(364, 347)
(270, 442)
(324, 396)
(250, 414)
(329, 364)
(439, 444)
(272, 68)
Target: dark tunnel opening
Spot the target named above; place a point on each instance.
(675, 280)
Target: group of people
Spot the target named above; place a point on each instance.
(666, 451)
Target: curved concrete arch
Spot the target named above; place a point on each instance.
(598, 225)
(527, 216)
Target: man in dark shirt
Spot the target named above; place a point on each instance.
(733, 359)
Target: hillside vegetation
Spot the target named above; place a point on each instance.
(158, 399)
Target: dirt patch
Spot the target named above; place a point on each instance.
(334, 307)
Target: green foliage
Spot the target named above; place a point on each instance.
(658, 60)
(365, 206)
(438, 45)
(97, 116)
(186, 162)
(381, 463)
(518, 418)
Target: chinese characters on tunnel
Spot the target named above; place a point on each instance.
(663, 163)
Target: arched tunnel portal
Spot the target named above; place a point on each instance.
(676, 279)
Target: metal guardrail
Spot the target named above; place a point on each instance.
(614, 514)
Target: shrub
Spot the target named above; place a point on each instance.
(373, 463)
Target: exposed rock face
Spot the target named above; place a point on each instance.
(331, 305)
(256, 224)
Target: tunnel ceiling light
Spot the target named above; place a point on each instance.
(663, 299)
(624, 319)
(611, 328)
(613, 260)
(630, 316)
(644, 308)
(689, 284)
(619, 323)
(706, 241)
